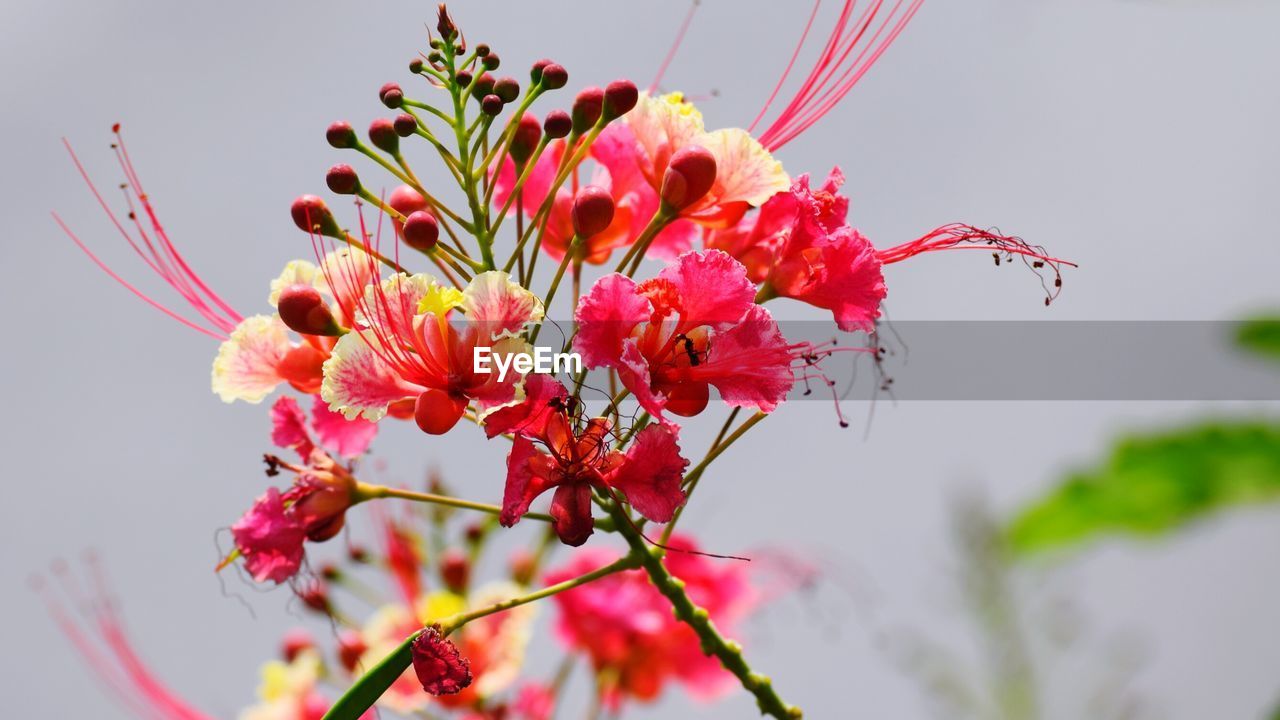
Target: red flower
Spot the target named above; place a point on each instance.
(439, 666)
(577, 459)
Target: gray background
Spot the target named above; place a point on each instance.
(1136, 137)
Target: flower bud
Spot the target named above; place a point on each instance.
(303, 310)
(316, 598)
(415, 65)
(554, 76)
(464, 78)
(619, 97)
(507, 88)
(342, 179)
(592, 211)
(491, 62)
(483, 50)
(329, 571)
(557, 124)
(455, 570)
(357, 553)
(439, 666)
(404, 124)
(535, 72)
(311, 215)
(341, 135)
(482, 87)
(491, 105)
(382, 133)
(405, 200)
(435, 58)
(351, 647)
(295, 642)
(524, 140)
(587, 107)
(321, 504)
(391, 95)
(421, 231)
(444, 24)
(689, 176)
(522, 566)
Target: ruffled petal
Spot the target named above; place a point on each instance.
(652, 474)
(713, 288)
(529, 416)
(348, 438)
(289, 427)
(439, 666)
(606, 315)
(750, 363)
(500, 306)
(269, 540)
(526, 480)
(358, 382)
(633, 371)
(247, 362)
(850, 282)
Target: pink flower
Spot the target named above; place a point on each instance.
(270, 539)
(534, 702)
(694, 326)
(577, 459)
(627, 630)
(290, 428)
(801, 246)
(439, 666)
(404, 346)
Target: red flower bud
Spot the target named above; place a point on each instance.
(437, 411)
(421, 231)
(382, 133)
(483, 87)
(295, 642)
(592, 211)
(507, 88)
(619, 97)
(329, 571)
(444, 24)
(483, 50)
(464, 78)
(316, 598)
(557, 124)
(342, 179)
(439, 666)
(491, 105)
(455, 570)
(535, 72)
(404, 124)
(357, 554)
(415, 65)
(689, 176)
(522, 566)
(524, 140)
(391, 95)
(341, 135)
(311, 215)
(587, 107)
(491, 62)
(351, 647)
(554, 76)
(303, 310)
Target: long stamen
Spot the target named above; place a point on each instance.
(675, 45)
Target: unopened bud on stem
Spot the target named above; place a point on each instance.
(587, 107)
(343, 180)
(382, 133)
(557, 124)
(619, 97)
(689, 176)
(341, 135)
(303, 310)
(592, 211)
(311, 215)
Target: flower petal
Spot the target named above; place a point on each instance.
(652, 474)
(348, 438)
(713, 288)
(501, 306)
(358, 382)
(750, 363)
(246, 365)
(571, 513)
(296, 272)
(606, 315)
(662, 125)
(745, 171)
(527, 478)
(850, 283)
(439, 666)
(289, 427)
(529, 416)
(269, 540)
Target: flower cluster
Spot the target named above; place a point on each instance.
(618, 177)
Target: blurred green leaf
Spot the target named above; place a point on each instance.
(1261, 335)
(1152, 484)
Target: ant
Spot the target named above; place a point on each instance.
(567, 404)
(689, 350)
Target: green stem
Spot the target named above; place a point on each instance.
(713, 643)
(365, 491)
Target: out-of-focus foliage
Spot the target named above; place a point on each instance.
(1152, 484)
(1261, 335)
